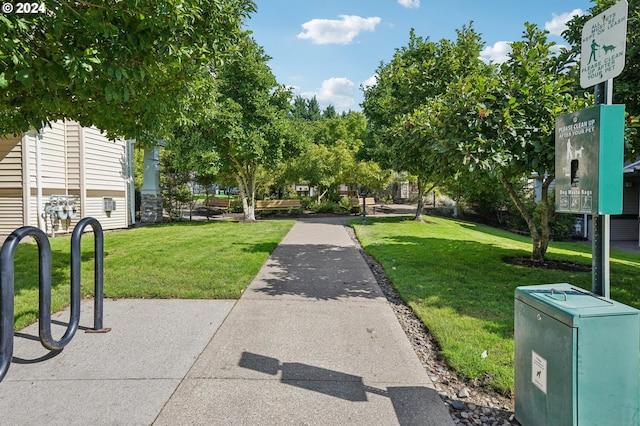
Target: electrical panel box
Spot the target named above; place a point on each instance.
(577, 358)
(109, 204)
(589, 160)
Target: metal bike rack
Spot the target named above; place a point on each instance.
(7, 278)
(98, 256)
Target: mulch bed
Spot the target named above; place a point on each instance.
(562, 265)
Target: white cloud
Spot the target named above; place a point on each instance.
(559, 22)
(410, 4)
(332, 31)
(497, 53)
(370, 82)
(336, 91)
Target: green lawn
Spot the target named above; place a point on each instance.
(194, 260)
(452, 274)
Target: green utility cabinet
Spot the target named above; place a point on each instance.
(577, 358)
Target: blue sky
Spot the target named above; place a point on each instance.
(328, 48)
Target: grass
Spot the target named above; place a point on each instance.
(452, 275)
(194, 260)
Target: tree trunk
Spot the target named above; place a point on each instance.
(537, 252)
(545, 216)
(320, 195)
(420, 207)
(421, 192)
(246, 177)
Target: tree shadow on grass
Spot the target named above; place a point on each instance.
(469, 277)
(267, 247)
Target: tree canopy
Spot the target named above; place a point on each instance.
(249, 129)
(442, 114)
(417, 73)
(132, 68)
(503, 122)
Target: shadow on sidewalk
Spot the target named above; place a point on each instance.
(410, 403)
(320, 272)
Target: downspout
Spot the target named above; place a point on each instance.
(41, 220)
(130, 181)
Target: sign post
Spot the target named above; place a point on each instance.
(604, 40)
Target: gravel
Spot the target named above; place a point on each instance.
(469, 402)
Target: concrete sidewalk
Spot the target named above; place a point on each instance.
(312, 341)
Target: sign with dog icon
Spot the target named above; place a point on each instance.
(604, 40)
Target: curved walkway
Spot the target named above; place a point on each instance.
(311, 341)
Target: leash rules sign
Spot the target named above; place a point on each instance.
(604, 40)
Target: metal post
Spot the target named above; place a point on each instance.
(601, 283)
(364, 209)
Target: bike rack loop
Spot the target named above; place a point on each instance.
(7, 278)
(98, 290)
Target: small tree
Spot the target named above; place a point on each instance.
(175, 186)
(417, 73)
(503, 122)
(249, 129)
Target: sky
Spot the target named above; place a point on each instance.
(330, 48)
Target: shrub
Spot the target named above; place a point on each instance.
(345, 205)
(236, 205)
(306, 202)
(327, 207)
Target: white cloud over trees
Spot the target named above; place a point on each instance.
(559, 22)
(497, 53)
(336, 91)
(333, 31)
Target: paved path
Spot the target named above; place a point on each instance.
(311, 341)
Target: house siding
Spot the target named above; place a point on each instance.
(74, 161)
(11, 190)
(104, 165)
(625, 226)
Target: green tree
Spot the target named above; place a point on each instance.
(250, 128)
(199, 166)
(417, 73)
(132, 68)
(322, 166)
(329, 112)
(305, 109)
(174, 183)
(502, 121)
(332, 159)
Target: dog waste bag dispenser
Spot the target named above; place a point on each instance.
(576, 358)
(589, 160)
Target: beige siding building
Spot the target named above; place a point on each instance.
(66, 172)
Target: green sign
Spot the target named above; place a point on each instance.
(589, 160)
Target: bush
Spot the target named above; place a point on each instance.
(345, 204)
(561, 225)
(306, 202)
(328, 207)
(235, 206)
